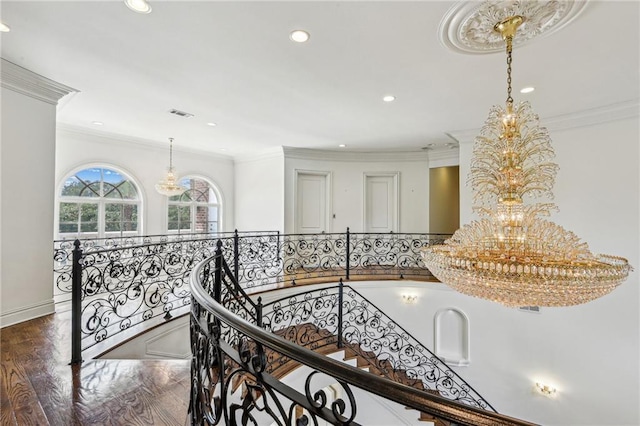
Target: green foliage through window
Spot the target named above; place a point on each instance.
(98, 200)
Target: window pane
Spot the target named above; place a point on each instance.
(121, 217)
(128, 190)
(202, 218)
(130, 217)
(200, 190)
(91, 190)
(112, 217)
(123, 190)
(206, 219)
(112, 177)
(68, 217)
(88, 218)
(72, 186)
(179, 218)
(173, 218)
(90, 180)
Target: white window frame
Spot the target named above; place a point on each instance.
(193, 207)
(101, 203)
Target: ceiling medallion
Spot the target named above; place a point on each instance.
(468, 26)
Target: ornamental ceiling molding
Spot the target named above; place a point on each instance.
(21, 80)
(584, 118)
(84, 134)
(355, 156)
(468, 26)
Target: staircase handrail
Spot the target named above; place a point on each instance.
(430, 369)
(211, 355)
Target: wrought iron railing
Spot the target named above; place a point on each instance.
(125, 285)
(355, 321)
(191, 243)
(231, 381)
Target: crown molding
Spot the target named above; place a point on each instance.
(84, 132)
(584, 118)
(589, 117)
(351, 156)
(21, 80)
(444, 157)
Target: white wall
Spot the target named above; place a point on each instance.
(146, 163)
(590, 352)
(26, 274)
(347, 181)
(259, 186)
(167, 341)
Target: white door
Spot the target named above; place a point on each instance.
(381, 203)
(312, 191)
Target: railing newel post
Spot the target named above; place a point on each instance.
(348, 251)
(340, 300)
(217, 280)
(76, 304)
(236, 255)
(259, 312)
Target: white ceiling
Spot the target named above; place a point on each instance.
(232, 63)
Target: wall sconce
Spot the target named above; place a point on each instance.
(409, 298)
(546, 390)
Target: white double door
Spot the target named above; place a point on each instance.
(313, 203)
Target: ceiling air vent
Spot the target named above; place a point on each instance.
(180, 113)
(535, 309)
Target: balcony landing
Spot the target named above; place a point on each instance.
(39, 387)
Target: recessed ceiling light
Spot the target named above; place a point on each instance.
(389, 98)
(4, 28)
(97, 123)
(212, 124)
(527, 89)
(140, 6)
(299, 36)
(342, 145)
(223, 149)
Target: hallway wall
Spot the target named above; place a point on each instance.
(147, 163)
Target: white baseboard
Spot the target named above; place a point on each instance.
(26, 313)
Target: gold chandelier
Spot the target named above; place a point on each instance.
(169, 186)
(511, 255)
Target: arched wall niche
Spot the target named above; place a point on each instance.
(451, 336)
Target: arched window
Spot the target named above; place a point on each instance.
(196, 210)
(98, 202)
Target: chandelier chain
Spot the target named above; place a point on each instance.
(509, 41)
(170, 153)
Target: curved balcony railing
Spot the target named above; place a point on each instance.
(235, 343)
(122, 286)
(343, 312)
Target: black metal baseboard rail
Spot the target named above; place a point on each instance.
(219, 357)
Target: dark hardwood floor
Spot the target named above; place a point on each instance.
(39, 387)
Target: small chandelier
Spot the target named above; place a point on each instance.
(169, 186)
(511, 255)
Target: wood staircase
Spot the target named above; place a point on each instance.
(324, 342)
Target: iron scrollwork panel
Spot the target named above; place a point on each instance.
(230, 385)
